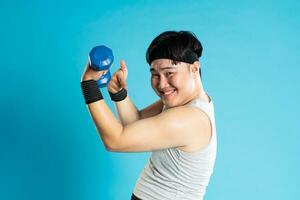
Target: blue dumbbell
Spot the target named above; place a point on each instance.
(101, 58)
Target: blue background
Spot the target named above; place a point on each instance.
(49, 147)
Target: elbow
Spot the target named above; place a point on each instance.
(115, 147)
(112, 149)
(111, 145)
(108, 147)
(112, 141)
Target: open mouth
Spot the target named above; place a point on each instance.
(168, 93)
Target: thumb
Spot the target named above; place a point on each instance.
(121, 80)
(123, 65)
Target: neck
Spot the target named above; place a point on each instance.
(200, 93)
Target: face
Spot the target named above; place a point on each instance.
(174, 84)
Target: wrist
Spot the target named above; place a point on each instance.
(90, 91)
(113, 91)
(118, 96)
(86, 78)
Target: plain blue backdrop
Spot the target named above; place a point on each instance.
(49, 147)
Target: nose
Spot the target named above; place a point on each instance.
(163, 83)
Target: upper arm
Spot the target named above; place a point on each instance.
(173, 128)
(151, 110)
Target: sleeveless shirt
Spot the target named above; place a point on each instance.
(174, 174)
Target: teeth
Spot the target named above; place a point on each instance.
(169, 92)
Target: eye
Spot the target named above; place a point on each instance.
(169, 73)
(154, 75)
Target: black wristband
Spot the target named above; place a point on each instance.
(119, 96)
(91, 91)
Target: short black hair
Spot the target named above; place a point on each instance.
(175, 45)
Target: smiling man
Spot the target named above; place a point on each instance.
(179, 128)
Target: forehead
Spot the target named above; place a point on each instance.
(163, 64)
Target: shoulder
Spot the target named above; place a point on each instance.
(190, 118)
(197, 126)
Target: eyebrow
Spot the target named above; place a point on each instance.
(152, 69)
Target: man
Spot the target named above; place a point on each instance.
(179, 128)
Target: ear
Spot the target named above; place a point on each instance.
(195, 67)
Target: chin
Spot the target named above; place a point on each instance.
(170, 100)
(169, 104)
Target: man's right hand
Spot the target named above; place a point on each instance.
(118, 79)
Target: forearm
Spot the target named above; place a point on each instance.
(127, 111)
(106, 123)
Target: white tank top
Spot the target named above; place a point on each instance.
(173, 174)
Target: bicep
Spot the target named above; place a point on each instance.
(173, 128)
(151, 110)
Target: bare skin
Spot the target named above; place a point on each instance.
(186, 128)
